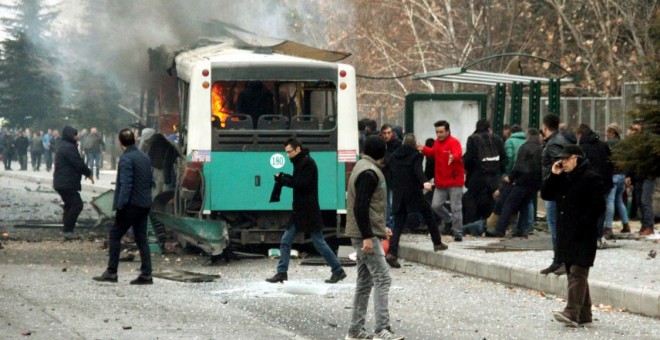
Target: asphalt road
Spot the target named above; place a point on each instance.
(46, 292)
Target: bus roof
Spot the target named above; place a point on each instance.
(228, 52)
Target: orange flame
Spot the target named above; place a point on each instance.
(218, 104)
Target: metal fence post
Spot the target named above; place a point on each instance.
(534, 104)
(500, 100)
(516, 103)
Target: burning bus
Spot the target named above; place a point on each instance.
(238, 101)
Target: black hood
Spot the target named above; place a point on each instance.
(590, 138)
(69, 134)
(406, 154)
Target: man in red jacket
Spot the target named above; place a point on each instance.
(449, 177)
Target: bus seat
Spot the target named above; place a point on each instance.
(239, 121)
(271, 122)
(304, 123)
(329, 122)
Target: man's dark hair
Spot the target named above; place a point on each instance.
(443, 123)
(371, 124)
(583, 129)
(429, 142)
(374, 147)
(515, 128)
(533, 133)
(126, 137)
(294, 143)
(385, 127)
(362, 124)
(508, 127)
(483, 125)
(551, 121)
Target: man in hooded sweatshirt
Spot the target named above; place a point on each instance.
(69, 169)
(408, 183)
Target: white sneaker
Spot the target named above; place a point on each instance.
(386, 334)
(362, 335)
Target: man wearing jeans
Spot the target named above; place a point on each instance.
(554, 142)
(365, 224)
(449, 177)
(306, 212)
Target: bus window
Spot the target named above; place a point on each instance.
(296, 105)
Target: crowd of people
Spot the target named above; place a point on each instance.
(40, 147)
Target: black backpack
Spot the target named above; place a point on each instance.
(488, 154)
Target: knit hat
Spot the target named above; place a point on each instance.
(374, 147)
(614, 127)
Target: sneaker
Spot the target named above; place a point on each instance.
(550, 269)
(361, 335)
(279, 277)
(458, 238)
(392, 261)
(387, 334)
(440, 247)
(143, 280)
(106, 277)
(336, 277)
(561, 317)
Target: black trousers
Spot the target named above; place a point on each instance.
(136, 217)
(73, 205)
(400, 221)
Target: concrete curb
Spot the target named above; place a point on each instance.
(86, 187)
(641, 301)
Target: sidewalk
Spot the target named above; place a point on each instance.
(623, 276)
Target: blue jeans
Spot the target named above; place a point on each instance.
(94, 159)
(372, 272)
(615, 201)
(389, 219)
(319, 244)
(551, 218)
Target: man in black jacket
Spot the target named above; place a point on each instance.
(306, 212)
(526, 179)
(578, 192)
(485, 162)
(22, 143)
(69, 169)
(408, 181)
(553, 143)
(132, 202)
(598, 153)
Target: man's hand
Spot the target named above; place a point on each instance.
(388, 232)
(451, 158)
(419, 147)
(505, 179)
(368, 246)
(428, 186)
(557, 168)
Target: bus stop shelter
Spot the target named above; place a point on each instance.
(500, 81)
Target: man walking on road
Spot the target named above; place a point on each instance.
(408, 183)
(366, 204)
(69, 168)
(132, 202)
(306, 212)
(578, 193)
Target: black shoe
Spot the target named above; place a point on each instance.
(279, 277)
(143, 280)
(550, 269)
(440, 247)
(560, 271)
(106, 277)
(336, 277)
(70, 236)
(458, 238)
(392, 261)
(447, 230)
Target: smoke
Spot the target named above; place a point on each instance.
(111, 37)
